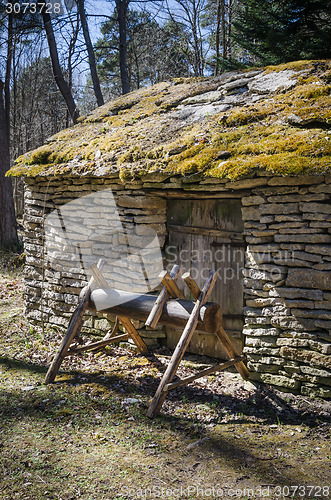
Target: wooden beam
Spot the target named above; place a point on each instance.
(75, 325)
(216, 233)
(203, 373)
(97, 345)
(156, 311)
(226, 343)
(181, 347)
(98, 278)
(171, 286)
(113, 331)
(191, 284)
(142, 347)
(198, 195)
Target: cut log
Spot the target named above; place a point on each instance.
(175, 312)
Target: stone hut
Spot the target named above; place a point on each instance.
(233, 173)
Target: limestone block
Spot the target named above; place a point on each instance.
(297, 197)
(304, 238)
(261, 302)
(316, 216)
(279, 310)
(255, 225)
(291, 247)
(286, 225)
(141, 202)
(273, 350)
(257, 320)
(249, 213)
(290, 261)
(279, 208)
(295, 181)
(320, 224)
(247, 183)
(252, 200)
(288, 218)
(311, 358)
(323, 304)
(315, 371)
(315, 390)
(266, 232)
(256, 274)
(318, 249)
(323, 208)
(267, 218)
(264, 249)
(296, 293)
(293, 342)
(267, 360)
(310, 278)
(318, 314)
(322, 188)
(307, 256)
(302, 304)
(275, 190)
(320, 323)
(260, 342)
(262, 368)
(260, 332)
(291, 369)
(255, 293)
(278, 380)
(291, 323)
(300, 230)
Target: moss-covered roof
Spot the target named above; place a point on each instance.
(276, 119)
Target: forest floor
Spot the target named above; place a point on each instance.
(87, 435)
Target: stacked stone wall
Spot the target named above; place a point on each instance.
(287, 281)
(51, 292)
(287, 275)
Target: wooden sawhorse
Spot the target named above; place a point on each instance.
(170, 308)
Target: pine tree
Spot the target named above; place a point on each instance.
(277, 31)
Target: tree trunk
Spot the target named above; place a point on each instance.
(198, 56)
(57, 71)
(8, 233)
(90, 51)
(217, 37)
(72, 45)
(122, 7)
(8, 72)
(223, 22)
(230, 9)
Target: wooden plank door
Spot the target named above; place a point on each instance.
(207, 235)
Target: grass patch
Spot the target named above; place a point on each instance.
(87, 435)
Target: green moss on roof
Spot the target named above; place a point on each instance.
(189, 125)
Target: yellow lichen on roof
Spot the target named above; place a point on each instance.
(276, 119)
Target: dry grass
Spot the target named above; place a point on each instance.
(82, 437)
